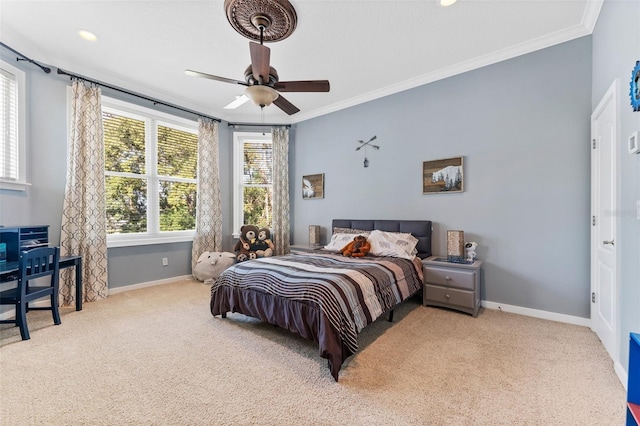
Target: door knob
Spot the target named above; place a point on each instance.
(605, 242)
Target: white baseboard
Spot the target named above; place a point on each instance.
(552, 316)
(116, 290)
(621, 373)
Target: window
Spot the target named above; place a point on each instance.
(253, 183)
(12, 128)
(150, 175)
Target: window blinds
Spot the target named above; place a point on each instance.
(9, 125)
(257, 163)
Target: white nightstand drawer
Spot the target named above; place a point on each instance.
(450, 278)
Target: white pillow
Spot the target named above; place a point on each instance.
(339, 240)
(395, 244)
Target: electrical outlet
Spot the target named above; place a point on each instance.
(165, 261)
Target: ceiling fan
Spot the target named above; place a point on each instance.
(261, 79)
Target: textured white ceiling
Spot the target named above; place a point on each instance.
(365, 48)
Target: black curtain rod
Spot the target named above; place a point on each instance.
(258, 125)
(118, 89)
(24, 58)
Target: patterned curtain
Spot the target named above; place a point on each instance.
(208, 235)
(280, 136)
(84, 229)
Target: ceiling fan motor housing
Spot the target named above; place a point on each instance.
(250, 79)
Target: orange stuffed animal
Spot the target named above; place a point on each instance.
(359, 247)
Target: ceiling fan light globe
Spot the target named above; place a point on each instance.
(261, 95)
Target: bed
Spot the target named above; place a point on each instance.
(322, 295)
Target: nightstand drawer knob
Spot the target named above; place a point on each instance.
(448, 296)
(447, 277)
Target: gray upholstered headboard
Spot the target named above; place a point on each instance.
(421, 229)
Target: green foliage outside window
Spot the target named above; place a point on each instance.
(258, 190)
(127, 184)
(177, 157)
(124, 148)
(126, 205)
(177, 206)
(177, 153)
(258, 204)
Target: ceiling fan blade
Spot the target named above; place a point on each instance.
(237, 102)
(260, 56)
(302, 86)
(214, 77)
(285, 105)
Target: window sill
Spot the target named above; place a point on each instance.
(132, 240)
(11, 185)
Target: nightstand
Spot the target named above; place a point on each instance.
(452, 285)
(305, 248)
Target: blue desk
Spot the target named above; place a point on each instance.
(9, 272)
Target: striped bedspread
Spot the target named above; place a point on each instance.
(350, 292)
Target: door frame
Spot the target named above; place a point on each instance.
(611, 96)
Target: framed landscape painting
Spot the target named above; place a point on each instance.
(313, 186)
(442, 176)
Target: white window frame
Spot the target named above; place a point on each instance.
(21, 183)
(239, 138)
(152, 119)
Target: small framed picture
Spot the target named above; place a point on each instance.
(313, 186)
(442, 176)
(634, 143)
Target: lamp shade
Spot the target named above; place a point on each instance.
(314, 235)
(455, 246)
(261, 95)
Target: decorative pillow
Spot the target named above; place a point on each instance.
(337, 230)
(338, 241)
(394, 244)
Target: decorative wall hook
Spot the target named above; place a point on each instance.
(365, 145)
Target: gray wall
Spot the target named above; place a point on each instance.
(523, 127)
(616, 48)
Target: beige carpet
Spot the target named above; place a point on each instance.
(157, 356)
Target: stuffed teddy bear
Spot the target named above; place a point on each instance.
(262, 245)
(210, 264)
(359, 247)
(248, 234)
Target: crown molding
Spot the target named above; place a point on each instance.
(585, 28)
(591, 14)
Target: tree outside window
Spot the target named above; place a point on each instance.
(150, 173)
(253, 193)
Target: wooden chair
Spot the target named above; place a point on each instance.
(35, 263)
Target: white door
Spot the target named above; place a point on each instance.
(604, 207)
